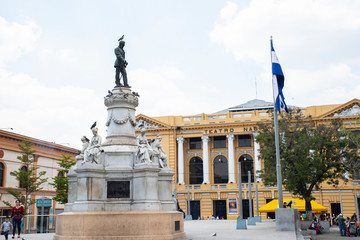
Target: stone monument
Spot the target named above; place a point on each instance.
(120, 188)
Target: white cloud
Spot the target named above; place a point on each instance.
(314, 40)
(164, 90)
(293, 23)
(62, 114)
(333, 84)
(17, 38)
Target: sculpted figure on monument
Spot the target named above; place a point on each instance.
(159, 152)
(92, 153)
(120, 64)
(144, 152)
(85, 144)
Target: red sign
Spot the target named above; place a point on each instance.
(1, 153)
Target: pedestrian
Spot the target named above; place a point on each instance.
(6, 227)
(17, 215)
(341, 222)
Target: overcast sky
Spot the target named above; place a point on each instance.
(185, 57)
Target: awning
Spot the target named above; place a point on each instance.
(296, 203)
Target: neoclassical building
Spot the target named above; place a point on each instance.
(46, 158)
(204, 150)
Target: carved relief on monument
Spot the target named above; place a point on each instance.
(122, 96)
(144, 124)
(353, 111)
(122, 120)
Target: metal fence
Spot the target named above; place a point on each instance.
(36, 223)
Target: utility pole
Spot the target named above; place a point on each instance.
(241, 223)
(251, 219)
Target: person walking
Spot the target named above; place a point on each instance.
(342, 226)
(6, 227)
(17, 215)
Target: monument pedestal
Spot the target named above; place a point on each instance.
(120, 196)
(134, 225)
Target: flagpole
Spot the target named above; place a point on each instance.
(278, 165)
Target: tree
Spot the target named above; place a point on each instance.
(311, 153)
(353, 163)
(30, 180)
(61, 181)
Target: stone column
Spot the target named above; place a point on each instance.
(257, 159)
(205, 141)
(180, 141)
(230, 138)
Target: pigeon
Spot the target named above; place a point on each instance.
(136, 94)
(109, 94)
(214, 235)
(122, 37)
(94, 125)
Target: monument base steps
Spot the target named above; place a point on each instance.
(134, 225)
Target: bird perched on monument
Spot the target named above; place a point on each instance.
(109, 94)
(122, 37)
(136, 94)
(92, 126)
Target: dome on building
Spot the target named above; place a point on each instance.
(255, 104)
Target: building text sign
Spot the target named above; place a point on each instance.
(230, 130)
(47, 202)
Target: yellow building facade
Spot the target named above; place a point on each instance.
(204, 151)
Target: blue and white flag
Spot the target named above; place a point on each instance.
(278, 82)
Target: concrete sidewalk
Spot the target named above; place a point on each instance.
(226, 229)
(45, 236)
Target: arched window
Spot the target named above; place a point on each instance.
(2, 174)
(60, 183)
(196, 170)
(221, 170)
(247, 164)
(24, 169)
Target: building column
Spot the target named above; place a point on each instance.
(257, 159)
(180, 141)
(205, 143)
(230, 138)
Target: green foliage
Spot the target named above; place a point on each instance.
(310, 153)
(61, 183)
(353, 163)
(29, 181)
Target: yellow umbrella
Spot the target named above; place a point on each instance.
(296, 203)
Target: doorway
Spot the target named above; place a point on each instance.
(195, 209)
(45, 226)
(246, 212)
(335, 208)
(219, 209)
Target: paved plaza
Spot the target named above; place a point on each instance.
(205, 229)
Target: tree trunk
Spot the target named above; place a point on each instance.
(308, 209)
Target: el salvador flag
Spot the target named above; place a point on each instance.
(278, 82)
